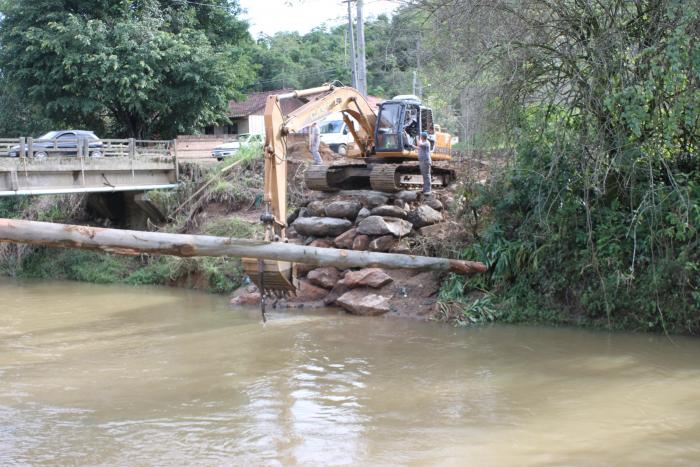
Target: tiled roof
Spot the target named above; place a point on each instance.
(254, 104)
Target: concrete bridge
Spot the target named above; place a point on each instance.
(42, 167)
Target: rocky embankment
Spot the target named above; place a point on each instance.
(401, 222)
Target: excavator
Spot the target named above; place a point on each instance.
(386, 161)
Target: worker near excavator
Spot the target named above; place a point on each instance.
(315, 143)
(424, 161)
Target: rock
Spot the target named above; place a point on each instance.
(401, 204)
(358, 302)
(316, 209)
(436, 231)
(307, 292)
(384, 243)
(247, 299)
(433, 202)
(361, 243)
(324, 277)
(369, 199)
(369, 277)
(424, 215)
(362, 215)
(401, 247)
(343, 209)
(345, 240)
(246, 296)
(390, 211)
(407, 196)
(449, 202)
(335, 293)
(321, 226)
(303, 269)
(321, 243)
(377, 225)
(293, 216)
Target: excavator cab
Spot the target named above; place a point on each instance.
(400, 122)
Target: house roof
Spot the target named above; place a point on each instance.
(254, 103)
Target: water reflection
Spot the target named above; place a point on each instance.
(93, 375)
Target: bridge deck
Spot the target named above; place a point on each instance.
(73, 174)
(72, 164)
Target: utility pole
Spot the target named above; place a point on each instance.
(361, 60)
(415, 82)
(353, 55)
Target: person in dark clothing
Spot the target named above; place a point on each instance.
(424, 161)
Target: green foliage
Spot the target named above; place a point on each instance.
(289, 59)
(596, 220)
(135, 68)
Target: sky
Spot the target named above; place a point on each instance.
(271, 16)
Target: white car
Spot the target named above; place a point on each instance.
(336, 134)
(230, 149)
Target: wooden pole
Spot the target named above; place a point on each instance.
(131, 242)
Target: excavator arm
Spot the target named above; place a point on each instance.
(277, 276)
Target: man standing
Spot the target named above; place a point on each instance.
(315, 143)
(424, 161)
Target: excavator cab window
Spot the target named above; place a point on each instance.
(389, 131)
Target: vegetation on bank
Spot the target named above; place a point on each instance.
(596, 220)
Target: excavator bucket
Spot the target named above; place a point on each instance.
(272, 277)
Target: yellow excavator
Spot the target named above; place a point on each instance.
(387, 159)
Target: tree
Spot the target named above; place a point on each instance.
(135, 67)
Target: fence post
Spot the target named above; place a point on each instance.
(132, 148)
(175, 163)
(22, 147)
(30, 145)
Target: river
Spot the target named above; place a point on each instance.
(132, 376)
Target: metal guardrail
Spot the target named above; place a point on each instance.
(83, 165)
(82, 147)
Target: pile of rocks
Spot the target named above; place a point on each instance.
(365, 220)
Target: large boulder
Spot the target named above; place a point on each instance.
(383, 243)
(249, 295)
(315, 209)
(359, 302)
(345, 240)
(361, 243)
(369, 199)
(433, 202)
(307, 292)
(378, 225)
(362, 215)
(407, 196)
(368, 277)
(343, 209)
(324, 277)
(424, 215)
(321, 226)
(389, 211)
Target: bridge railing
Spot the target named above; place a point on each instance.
(28, 147)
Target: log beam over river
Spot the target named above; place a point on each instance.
(132, 242)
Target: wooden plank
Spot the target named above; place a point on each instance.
(130, 242)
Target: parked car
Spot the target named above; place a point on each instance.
(336, 134)
(66, 141)
(230, 149)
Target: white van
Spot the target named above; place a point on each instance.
(336, 134)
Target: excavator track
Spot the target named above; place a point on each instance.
(384, 177)
(407, 176)
(316, 178)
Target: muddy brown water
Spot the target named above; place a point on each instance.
(139, 376)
